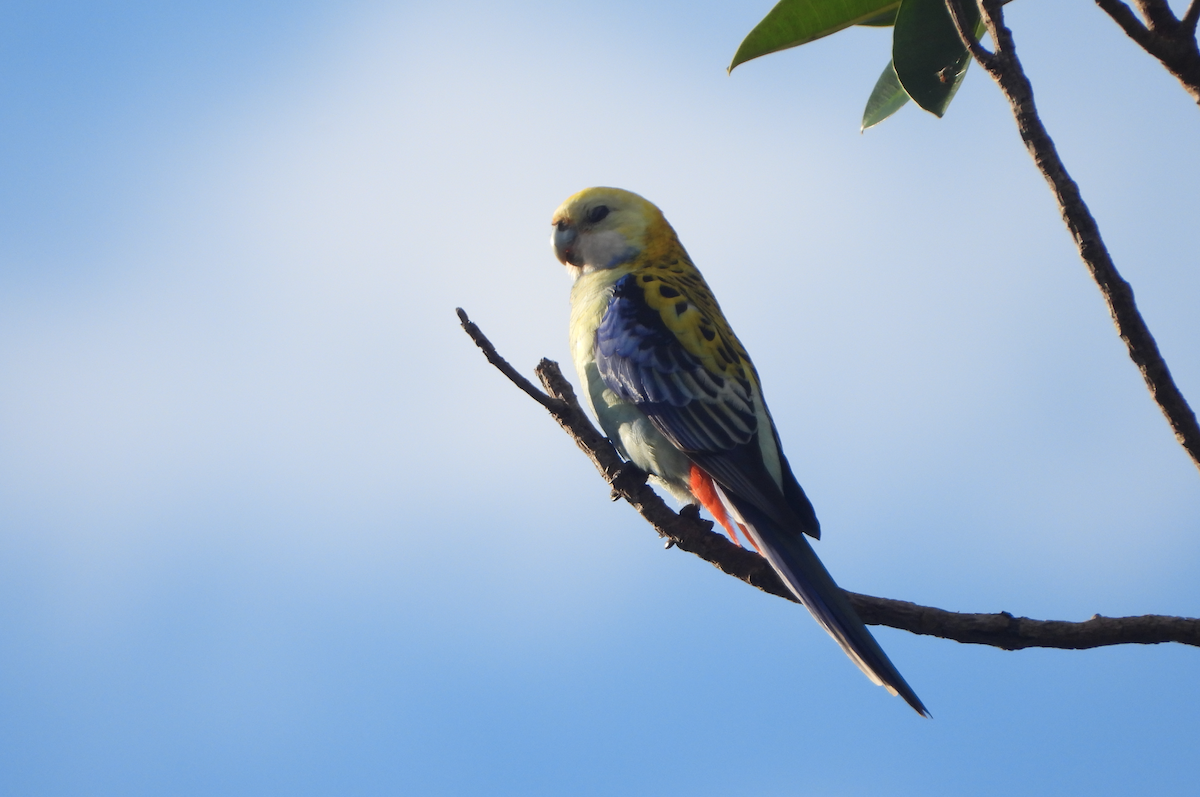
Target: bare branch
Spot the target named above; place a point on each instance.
(1003, 630)
(1123, 15)
(1143, 350)
(495, 359)
(687, 531)
(1188, 23)
(966, 31)
(1171, 41)
(1157, 13)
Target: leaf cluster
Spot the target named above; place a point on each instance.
(929, 59)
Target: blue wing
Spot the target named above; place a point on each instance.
(645, 364)
(711, 417)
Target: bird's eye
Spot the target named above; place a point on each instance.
(597, 213)
(562, 225)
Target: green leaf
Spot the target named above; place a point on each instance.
(887, 97)
(929, 58)
(794, 22)
(884, 20)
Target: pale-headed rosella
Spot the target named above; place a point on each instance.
(675, 391)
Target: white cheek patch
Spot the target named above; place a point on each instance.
(603, 249)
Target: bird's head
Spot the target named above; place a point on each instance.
(601, 228)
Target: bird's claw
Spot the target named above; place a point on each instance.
(627, 478)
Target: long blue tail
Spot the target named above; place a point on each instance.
(797, 564)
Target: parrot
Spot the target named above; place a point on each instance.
(676, 393)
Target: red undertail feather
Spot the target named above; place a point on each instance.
(706, 494)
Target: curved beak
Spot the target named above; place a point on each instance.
(564, 243)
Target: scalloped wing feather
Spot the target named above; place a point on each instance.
(646, 364)
(713, 418)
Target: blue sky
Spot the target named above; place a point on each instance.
(270, 525)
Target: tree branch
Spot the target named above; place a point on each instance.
(513, 374)
(1006, 69)
(1157, 13)
(1123, 15)
(1172, 41)
(1188, 23)
(687, 531)
(966, 31)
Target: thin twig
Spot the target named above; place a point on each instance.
(495, 359)
(1003, 630)
(966, 31)
(1006, 69)
(687, 531)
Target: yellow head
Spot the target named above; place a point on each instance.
(601, 228)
